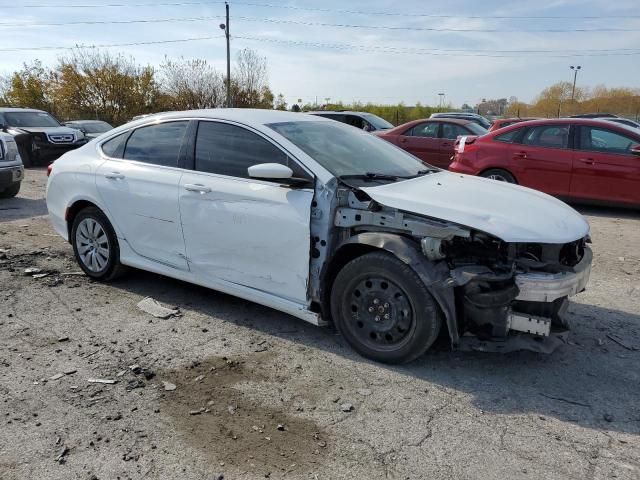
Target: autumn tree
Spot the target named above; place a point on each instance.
(280, 103)
(89, 83)
(29, 87)
(249, 82)
(191, 84)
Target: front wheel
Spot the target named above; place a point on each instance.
(95, 245)
(499, 175)
(11, 191)
(383, 309)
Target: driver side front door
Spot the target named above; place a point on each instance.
(244, 231)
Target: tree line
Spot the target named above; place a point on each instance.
(560, 100)
(90, 83)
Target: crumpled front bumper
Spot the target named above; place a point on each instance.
(547, 287)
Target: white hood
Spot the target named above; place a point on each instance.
(509, 212)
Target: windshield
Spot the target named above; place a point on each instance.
(30, 119)
(376, 121)
(476, 129)
(344, 150)
(93, 127)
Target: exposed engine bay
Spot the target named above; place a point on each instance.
(495, 295)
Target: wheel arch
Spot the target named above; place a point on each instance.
(79, 204)
(434, 276)
(509, 171)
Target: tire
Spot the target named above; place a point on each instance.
(11, 191)
(383, 310)
(95, 245)
(499, 175)
(25, 155)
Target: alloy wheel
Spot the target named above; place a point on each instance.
(92, 244)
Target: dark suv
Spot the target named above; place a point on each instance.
(39, 136)
(362, 120)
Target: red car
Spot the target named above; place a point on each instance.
(580, 159)
(505, 122)
(432, 140)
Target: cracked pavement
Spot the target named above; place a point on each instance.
(258, 393)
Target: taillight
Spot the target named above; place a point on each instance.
(49, 169)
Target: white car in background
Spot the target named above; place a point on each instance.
(327, 223)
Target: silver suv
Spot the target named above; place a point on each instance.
(11, 169)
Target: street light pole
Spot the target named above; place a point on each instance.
(225, 27)
(441, 103)
(575, 76)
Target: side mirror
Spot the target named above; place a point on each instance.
(3, 127)
(636, 150)
(270, 171)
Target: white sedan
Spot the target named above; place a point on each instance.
(327, 223)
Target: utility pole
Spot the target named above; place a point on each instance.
(575, 76)
(225, 27)
(441, 103)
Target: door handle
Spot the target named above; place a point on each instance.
(114, 175)
(403, 140)
(446, 144)
(587, 161)
(520, 155)
(195, 187)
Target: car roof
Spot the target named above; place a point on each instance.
(242, 115)
(18, 109)
(85, 121)
(336, 112)
(413, 123)
(575, 121)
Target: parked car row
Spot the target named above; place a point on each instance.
(41, 138)
(589, 157)
(575, 158)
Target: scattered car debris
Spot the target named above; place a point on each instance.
(63, 339)
(566, 400)
(102, 380)
(40, 275)
(70, 371)
(133, 384)
(280, 428)
(61, 458)
(197, 412)
(32, 271)
(57, 376)
(346, 407)
(152, 307)
(621, 342)
(168, 386)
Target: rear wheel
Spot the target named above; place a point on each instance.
(11, 191)
(95, 245)
(383, 309)
(499, 175)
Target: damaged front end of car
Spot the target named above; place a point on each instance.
(495, 295)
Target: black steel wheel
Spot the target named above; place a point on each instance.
(383, 309)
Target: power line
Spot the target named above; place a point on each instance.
(323, 10)
(431, 29)
(428, 15)
(418, 51)
(313, 24)
(365, 48)
(109, 45)
(102, 22)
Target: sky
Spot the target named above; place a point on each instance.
(368, 51)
